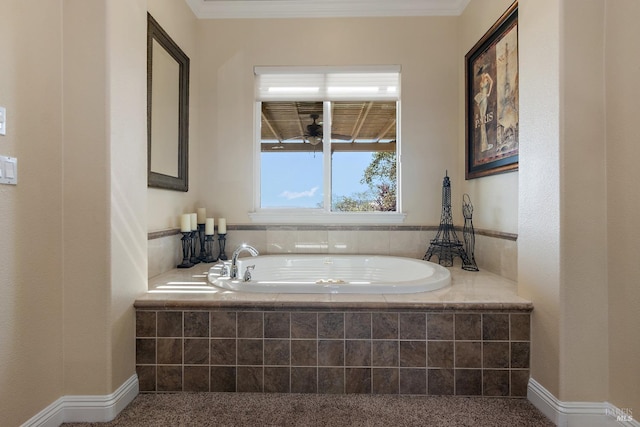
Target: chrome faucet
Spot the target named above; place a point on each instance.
(234, 258)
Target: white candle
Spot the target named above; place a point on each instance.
(208, 227)
(185, 223)
(202, 215)
(194, 221)
(222, 226)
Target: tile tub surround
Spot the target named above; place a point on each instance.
(470, 339)
(495, 251)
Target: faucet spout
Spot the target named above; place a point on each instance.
(234, 258)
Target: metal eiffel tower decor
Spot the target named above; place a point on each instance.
(446, 244)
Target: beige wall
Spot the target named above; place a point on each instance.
(31, 354)
(622, 65)
(165, 206)
(426, 48)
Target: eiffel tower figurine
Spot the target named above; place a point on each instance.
(446, 244)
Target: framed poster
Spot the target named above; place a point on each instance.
(491, 95)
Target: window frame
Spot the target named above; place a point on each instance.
(322, 215)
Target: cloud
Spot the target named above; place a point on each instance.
(290, 195)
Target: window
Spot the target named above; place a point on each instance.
(350, 176)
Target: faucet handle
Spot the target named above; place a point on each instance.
(247, 272)
(225, 270)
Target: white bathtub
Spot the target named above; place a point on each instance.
(327, 274)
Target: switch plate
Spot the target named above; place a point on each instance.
(3, 121)
(8, 170)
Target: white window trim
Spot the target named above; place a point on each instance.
(320, 215)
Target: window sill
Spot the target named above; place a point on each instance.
(314, 216)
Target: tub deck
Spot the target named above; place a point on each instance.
(189, 288)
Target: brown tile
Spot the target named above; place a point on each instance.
(495, 354)
(145, 350)
(331, 325)
(223, 378)
(413, 326)
(520, 354)
(440, 381)
(413, 353)
(468, 326)
(249, 379)
(277, 324)
(223, 324)
(440, 354)
(276, 379)
(357, 325)
(223, 352)
(495, 326)
(169, 351)
(358, 380)
(468, 382)
(384, 353)
(468, 354)
(413, 381)
(250, 352)
(196, 351)
(304, 380)
(169, 378)
(145, 324)
(519, 382)
(304, 325)
(250, 324)
(520, 327)
(196, 378)
(385, 380)
(146, 378)
(384, 326)
(330, 353)
(169, 323)
(357, 353)
(304, 352)
(440, 326)
(196, 324)
(277, 352)
(495, 382)
(331, 380)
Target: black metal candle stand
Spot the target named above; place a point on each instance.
(194, 247)
(203, 254)
(186, 250)
(222, 241)
(208, 245)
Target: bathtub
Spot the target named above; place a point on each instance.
(333, 274)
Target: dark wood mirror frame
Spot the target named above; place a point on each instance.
(155, 179)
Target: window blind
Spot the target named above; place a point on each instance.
(366, 83)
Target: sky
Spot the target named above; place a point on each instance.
(295, 179)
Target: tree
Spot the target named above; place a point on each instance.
(380, 176)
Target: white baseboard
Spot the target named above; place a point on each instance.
(577, 414)
(86, 408)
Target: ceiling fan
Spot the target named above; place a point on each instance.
(313, 135)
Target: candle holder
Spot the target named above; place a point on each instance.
(186, 250)
(222, 240)
(194, 243)
(208, 244)
(203, 252)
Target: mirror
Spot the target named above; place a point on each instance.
(167, 111)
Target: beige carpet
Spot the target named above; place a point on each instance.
(254, 409)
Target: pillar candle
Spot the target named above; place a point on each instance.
(194, 221)
(222, 226)
(208, 227)
(185, 223)
(202, 215)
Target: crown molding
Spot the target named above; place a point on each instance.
(238, 9)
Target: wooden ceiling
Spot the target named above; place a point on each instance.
(355, 126)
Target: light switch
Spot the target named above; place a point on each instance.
(8, 170)
(3, 121)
